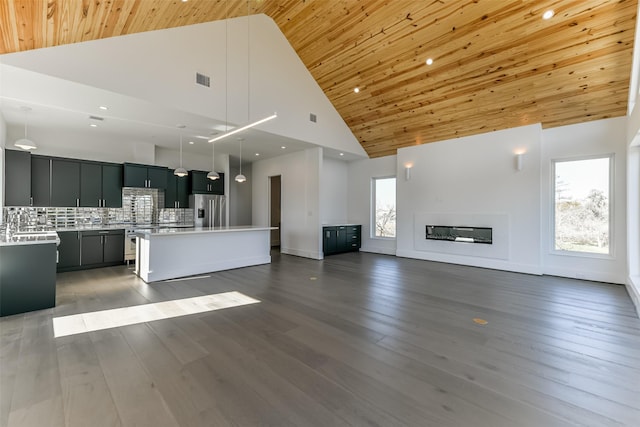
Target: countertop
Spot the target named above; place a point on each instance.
(29, 238)
(198, 230)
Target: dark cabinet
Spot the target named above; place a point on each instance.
(41, 181)
(101, 248)
(17, 178)
(145, 176)
(90, 184)
(69, 250)
(200, 184)
(112, 185)
(100, 185)
(341, 238)
(80, 250)
(177, 192)
(65, 183)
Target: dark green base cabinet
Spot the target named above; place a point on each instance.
(341, 238)
(24, 287)
(80, 250)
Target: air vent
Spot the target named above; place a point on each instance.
(313, 117)
(96, 118)
(203, 80)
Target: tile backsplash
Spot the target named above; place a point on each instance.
(139, 206)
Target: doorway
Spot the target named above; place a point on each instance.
(274, 208)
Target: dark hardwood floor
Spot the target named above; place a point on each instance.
(357, 340)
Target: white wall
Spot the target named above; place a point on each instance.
(240, 194)
(633, 225)
(360, 176)
(300, 174)
(473, 181)
(333, 192)
(600, 137)
(160, 66)
(633, 197)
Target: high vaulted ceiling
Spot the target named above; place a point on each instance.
(496, 63)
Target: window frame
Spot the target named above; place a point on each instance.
(372, 213)
(552, 213)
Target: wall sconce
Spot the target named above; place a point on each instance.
(407, 173)
(519, 161)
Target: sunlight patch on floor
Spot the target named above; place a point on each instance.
(114, 318)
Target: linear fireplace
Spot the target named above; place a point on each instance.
(460, 234)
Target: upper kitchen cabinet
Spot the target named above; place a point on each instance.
(145, 176)
(17, 178)
(65, 183)
(200, 184)
(41, 181)
(177, 193)
(100, 185)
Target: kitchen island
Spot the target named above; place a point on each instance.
(172, 253)
(27, 271)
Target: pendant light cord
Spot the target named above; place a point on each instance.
(180, 148)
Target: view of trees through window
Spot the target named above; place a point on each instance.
(582, 205)
(385, 207)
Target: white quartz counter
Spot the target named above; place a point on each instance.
(199, 230)
(172, 253)
(29, 238)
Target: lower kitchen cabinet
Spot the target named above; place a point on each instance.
(341, 238)
(81, 250)
(69, 250)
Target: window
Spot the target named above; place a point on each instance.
(582, 208)
(384, 207)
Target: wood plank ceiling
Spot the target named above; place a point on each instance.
(497, 64)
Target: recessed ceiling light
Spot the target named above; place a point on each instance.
(93, 125)
(257, 154)
(429, 61)
(342, 154)
(356, 90)
(283, 147)
(191, 142)
(102, 107)
(548, 14)
(202, 137)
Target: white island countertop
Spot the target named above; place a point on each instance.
(170, 253)
(199, 230)
(29, 238)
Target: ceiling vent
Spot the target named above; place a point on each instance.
(312, 117)
(203, 80)
(96, 118)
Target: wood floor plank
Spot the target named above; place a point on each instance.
(37, 395)
(135, 395)
(355, 339)
(86, 396)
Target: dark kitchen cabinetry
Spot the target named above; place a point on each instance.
(341, 238)
(41, 181)
(177, 193)
(69, 250)
(17, 178)
(100, 185)
(101, 248)
(65, 183)
(80, 250)
(145, 176)
(200, 184)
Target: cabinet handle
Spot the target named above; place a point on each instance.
(103, 232)
(104, 203)
(30, 201)
(77, 203)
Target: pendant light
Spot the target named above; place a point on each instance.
(181, 172)
(240, 178)
(24, 143)
(213, 175)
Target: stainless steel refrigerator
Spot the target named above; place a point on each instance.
(208, 210)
